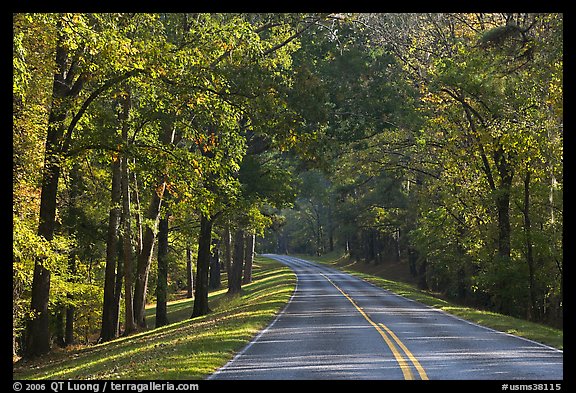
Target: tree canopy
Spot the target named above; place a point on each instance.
(151, 150)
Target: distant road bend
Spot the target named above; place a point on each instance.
(337, 326)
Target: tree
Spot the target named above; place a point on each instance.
(430, 140)
(162, 283)
(149, 236)
(255, 108)
(235, 279)
(111, 304)
(482, 92)
(70, 80)
(215, 273)
(201, 306)
(442, 178)
(248, 258)
(356, 131)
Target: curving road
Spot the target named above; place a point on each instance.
(337, 326)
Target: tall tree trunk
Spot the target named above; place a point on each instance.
(136, 199)
(59, 326)
(149, 237)
(68, 82)
(235, 280)
(504, 230)
(319, 232)
(118, 291)
(162, 281)
(330, 227)
(422, 274)
(248, 259)
(72, 224)
(189, 272)
(559, 315)
(502, 192)
(397, 247)
(69, 328)
(202, 268)
(145, 259)
(215, 274)
(370, 245)
(37, 331)
(125, 218)
(126, 256)
(503, 208)
(228, 250)
(503, 204)
(109, 327)
(413, 261)
(532, 310)
(38, 328)
(70, 309)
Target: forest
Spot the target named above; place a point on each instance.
(155, 154)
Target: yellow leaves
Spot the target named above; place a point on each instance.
(200, 99)
(292, 138)
(212, 139)
(226, 46)
(432, 98)
(206, 143)
(196, 167)
(172, 189)
(197, 100)
(160, 189)
(555, 90)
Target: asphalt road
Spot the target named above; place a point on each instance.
(337, 326)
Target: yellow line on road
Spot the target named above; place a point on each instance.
(404, 366)
(415, 361)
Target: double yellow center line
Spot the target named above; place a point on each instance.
(390, 338)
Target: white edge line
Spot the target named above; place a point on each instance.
(249, 345)
(464, 320)
(375, 286)
(437, 309)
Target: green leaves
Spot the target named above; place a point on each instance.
(420, 122)
(486, 103)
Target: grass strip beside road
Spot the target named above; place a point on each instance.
(504, 323)
(184, 349)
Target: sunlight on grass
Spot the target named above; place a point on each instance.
(186, 348)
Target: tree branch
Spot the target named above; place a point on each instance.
(105, 86)
(291, 38)
(469, 111)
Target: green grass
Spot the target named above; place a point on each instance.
(195, 348)
(186, 348)
(504, 323)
